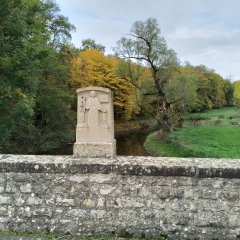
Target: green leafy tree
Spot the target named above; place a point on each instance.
(32, 34)
(203, 88)
(181, 91)
(140, 79)
(236, 94)
(146, 46)
(229, 90)
(91, 44)
(217, 95)
(212, 90)
(17, 82)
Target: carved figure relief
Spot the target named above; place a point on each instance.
(96, 113)
(95, 116)
(82, 104)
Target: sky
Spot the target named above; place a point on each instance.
(200, 31)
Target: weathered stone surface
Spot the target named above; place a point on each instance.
(95, 124)
(65, 202)
(26, 188)
(5, 200)
(34, 200)
(138, 166)
(140, 196)
(95, 150)
(89, 203)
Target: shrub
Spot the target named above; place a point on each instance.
(217, 122)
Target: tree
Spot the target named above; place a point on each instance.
(145, 46)
(140, 79)
(93, 68)
(212, 90)
(181, 90)
(32, 33)
(228, 90)
(236, 94)
(217, 95)
(91, 44)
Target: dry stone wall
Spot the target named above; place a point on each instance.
(140, 196)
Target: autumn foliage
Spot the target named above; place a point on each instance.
(41, 70)
(92, 68)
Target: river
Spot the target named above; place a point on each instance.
(132, 144)
(128, 145)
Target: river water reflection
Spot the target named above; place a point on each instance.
(132, 144)
(128, 145)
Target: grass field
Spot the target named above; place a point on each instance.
(214, 133)
(44, 236)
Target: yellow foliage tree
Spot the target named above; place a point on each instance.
(92, 68)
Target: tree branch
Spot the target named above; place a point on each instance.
(175, 101)
(137, 58)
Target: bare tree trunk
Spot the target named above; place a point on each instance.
(164, 120)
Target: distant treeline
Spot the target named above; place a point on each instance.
(40, 71)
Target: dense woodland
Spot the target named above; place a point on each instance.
(40, 71)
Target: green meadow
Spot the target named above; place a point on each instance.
(44, 236)
(214, 133)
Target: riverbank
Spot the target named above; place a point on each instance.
(155, 147)
(130, 136)
(123, 128)
(214, 133)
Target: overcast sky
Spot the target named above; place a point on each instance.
(200, 31)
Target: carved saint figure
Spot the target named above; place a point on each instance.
(104, 119)
(82, 103)
(94, 106)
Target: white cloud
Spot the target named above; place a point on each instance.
(200, 31)
(204, 33)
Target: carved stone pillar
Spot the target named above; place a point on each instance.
(95, 123)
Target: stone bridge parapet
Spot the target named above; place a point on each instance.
(141, 196)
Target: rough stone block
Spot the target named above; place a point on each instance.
(3, 211)
(34, 201)
(1, 188)
(26, 188)
(107, 190)
(5, 200)
(79, 178)
(19, 201)
(102, 178)
(40, 189)
(80, 213)
(65, 201)
(234, 220)
(24, 212)
(89, 203)
(43, 212)
(4, 219)
(10, 187)
(94, 150)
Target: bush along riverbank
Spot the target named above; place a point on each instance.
(214, 133)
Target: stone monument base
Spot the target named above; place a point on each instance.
(94, 149)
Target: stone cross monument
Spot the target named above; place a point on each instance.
(95, 123)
